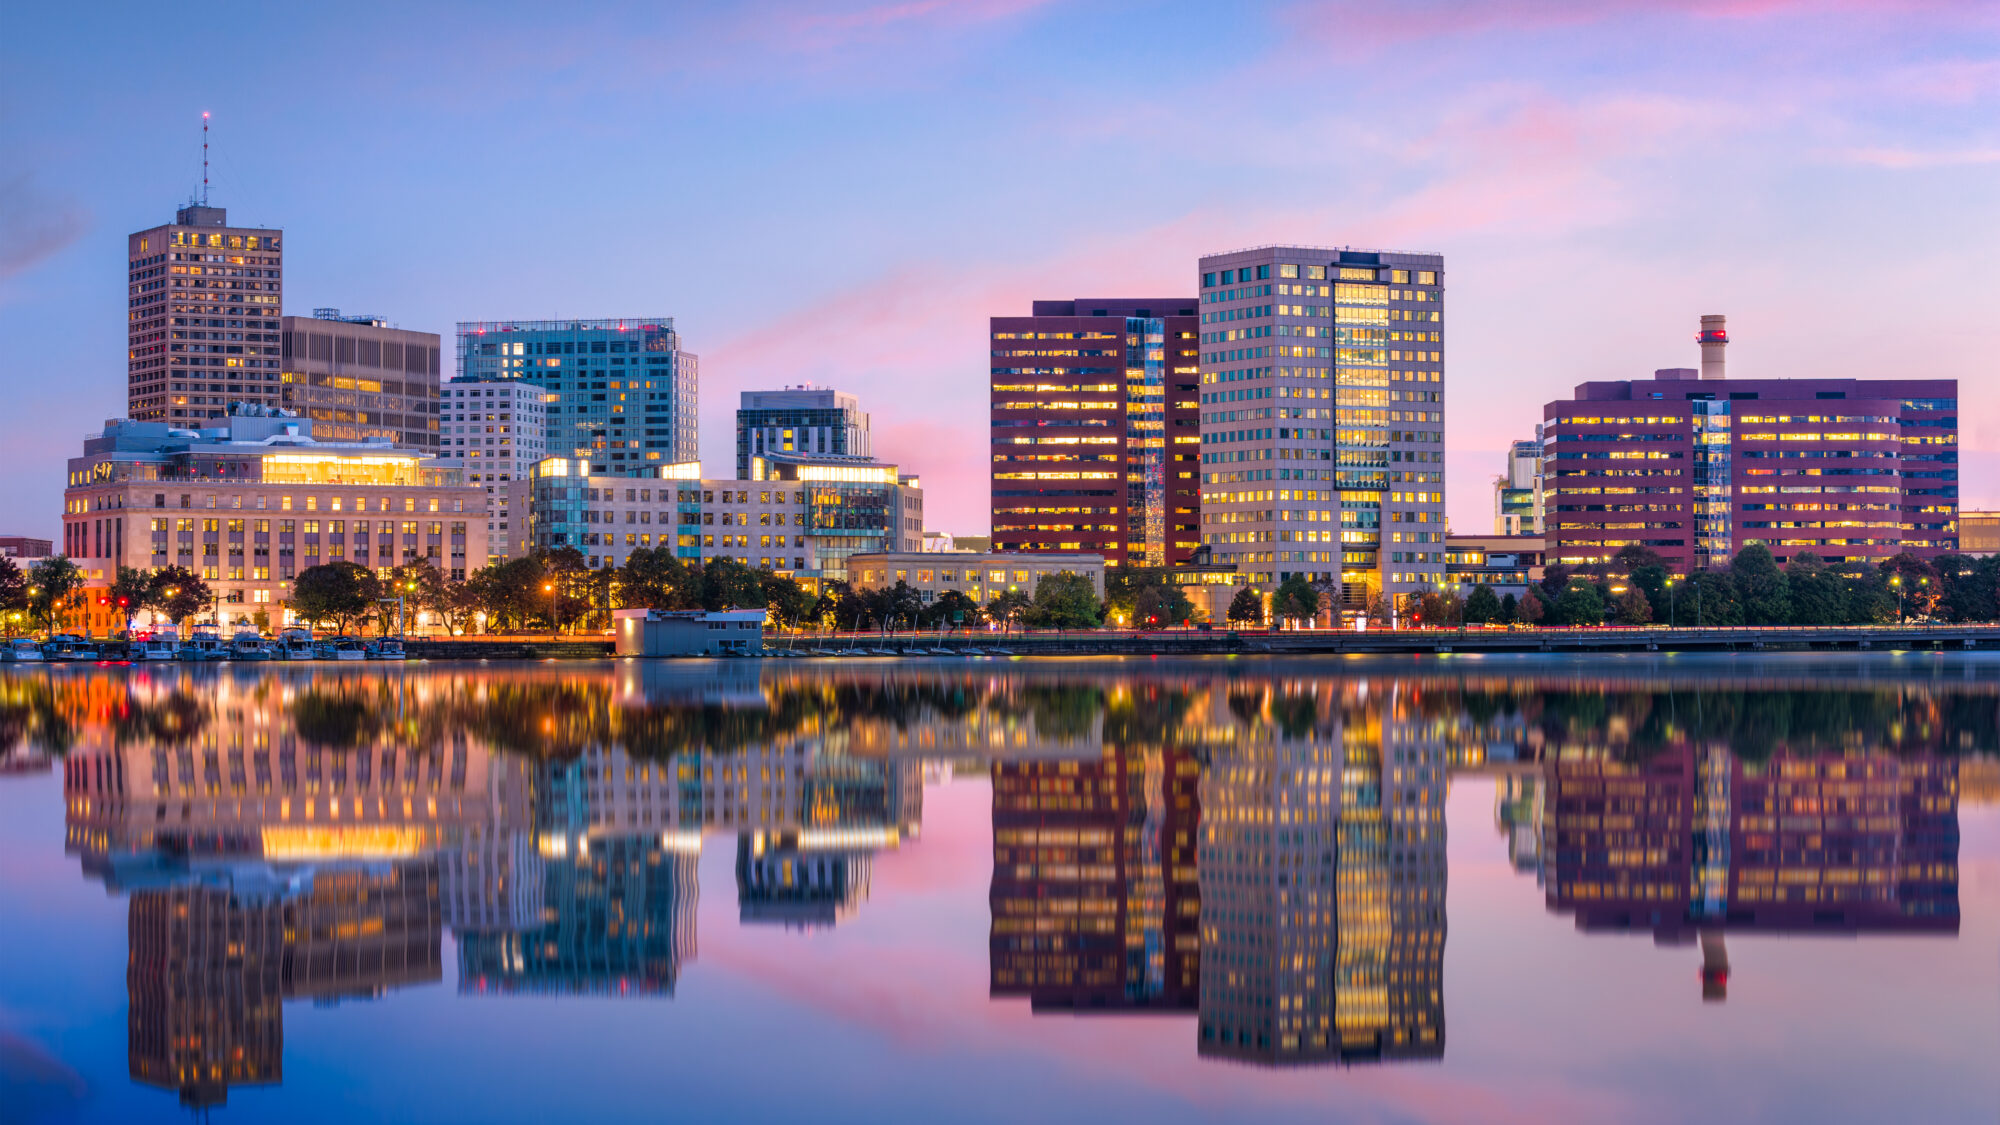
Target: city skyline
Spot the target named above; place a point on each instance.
(1591, 202)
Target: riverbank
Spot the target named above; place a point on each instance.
(1309, 642)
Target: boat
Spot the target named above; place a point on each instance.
(156, 646)
(203, 646)
(295, 644)
(21, 650)
(249, 646)
(67, 647)
(388, 648)
(339, 648)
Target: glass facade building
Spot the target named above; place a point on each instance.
(1322, 418)
(803, 420)
(622, 394)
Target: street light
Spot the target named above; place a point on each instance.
(1672, 621)
(551, 588)
(1896, 580)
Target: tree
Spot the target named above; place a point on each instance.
(1555, 579)
(13, 592)
(1533, 609)
(1966, 587)
(1162, 605)
(1760, 586)
(892, 605)
(1913, 583)
(1295, 600)
(1817, 597)
(655, 579)
(1247, 607)
(1580, 604)
(176, 593)
(1710, 599)
(728, 584)
(1510, 609)
(337, 591)
(419, 584)
(1065, 601)
(788, 600)
(1482, 606)
(128, 593)
(456, 606)
(510, 593)
(1008, 607)
(1633, 608)
(566, 582)
(952, 608)
(51, 582)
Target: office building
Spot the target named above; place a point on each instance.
(621, 394)
(807, 420)
(359, 379)
(1095, 430)
(1695, 468)
(978, 577)
(1978, 533)
(250, 502)
(25, 547)
(494, 431)
(801, 517)
(202, 304)
(1322, 418)
(1504, 563)
(1517, 493)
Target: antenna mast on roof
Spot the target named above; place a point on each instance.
(204, 158)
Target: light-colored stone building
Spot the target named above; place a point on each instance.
(979, 577)
(250, 503)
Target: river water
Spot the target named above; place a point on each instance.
(1639, 888)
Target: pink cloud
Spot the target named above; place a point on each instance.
(1901, 159)
(1381, 25)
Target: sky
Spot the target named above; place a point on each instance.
(843, 193)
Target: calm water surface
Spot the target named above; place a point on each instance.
(1506, 889)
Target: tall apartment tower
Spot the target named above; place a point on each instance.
(1095, 431)
(1517, 494)
(1322, 418)
(805, 420)
(202, 308)
(621, 392)
(495, 431)
(357, 378)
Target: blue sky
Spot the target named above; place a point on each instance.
(844, 192)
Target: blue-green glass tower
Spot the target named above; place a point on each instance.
(621, 393)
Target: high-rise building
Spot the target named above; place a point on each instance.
(1322, 418)
(1095, 430)
(359, 379)
(1517, 494)
(202, 306)
(621, 392)
(1695, 469)
(807, 420)
(494, 432)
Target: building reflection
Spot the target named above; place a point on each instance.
(212, 961)
(1258, 848)
(1096, 905)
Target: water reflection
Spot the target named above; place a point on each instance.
(1259, 850)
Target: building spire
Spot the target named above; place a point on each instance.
(204, 158)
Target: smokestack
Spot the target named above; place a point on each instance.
(1713, 339)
